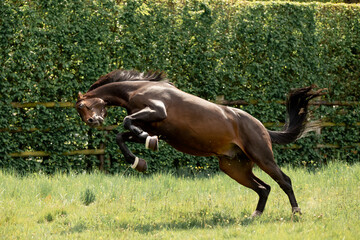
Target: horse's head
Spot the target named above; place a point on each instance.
(91, 110)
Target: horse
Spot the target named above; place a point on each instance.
(190, 124)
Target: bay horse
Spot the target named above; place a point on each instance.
(195, 126)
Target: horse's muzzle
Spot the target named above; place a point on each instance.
(95, 121)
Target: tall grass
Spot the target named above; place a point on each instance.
(162, 206)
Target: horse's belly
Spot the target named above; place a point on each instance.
(198, 128)
(198, 141)
(192, 148)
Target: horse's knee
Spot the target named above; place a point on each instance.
(286, 187)
(264, 191)
(127, 122)
(119, 138)
(268, 189)
(286, 184)
(287, 179)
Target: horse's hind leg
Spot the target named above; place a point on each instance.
(239, 168)
(265, 160)
(284, 182)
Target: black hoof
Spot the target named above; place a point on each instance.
(139, 165)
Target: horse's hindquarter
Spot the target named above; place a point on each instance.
(196, 126)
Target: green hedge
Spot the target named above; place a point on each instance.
(310, 1)
(51, 49)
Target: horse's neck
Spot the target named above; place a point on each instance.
(115, 94)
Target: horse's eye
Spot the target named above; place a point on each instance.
(81, 105)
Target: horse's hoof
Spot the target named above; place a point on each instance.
(139, 165)
(296, 210)
(152, 143)
(256, 214)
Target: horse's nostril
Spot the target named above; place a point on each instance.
(90, 120)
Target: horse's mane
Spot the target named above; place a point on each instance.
(128, 75)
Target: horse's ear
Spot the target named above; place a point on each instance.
(80, 95)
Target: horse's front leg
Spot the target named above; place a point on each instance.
(151, 142)
(136, 163)
(156, 112)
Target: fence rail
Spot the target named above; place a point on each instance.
(219, 100)
(45, 104)
(46, 154)
(112, 127)
(102, 151)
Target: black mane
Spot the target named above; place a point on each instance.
(128, 75)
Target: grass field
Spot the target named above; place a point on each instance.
(162, 206)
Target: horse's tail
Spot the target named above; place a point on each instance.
(297, 109)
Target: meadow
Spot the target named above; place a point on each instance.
(165, 206)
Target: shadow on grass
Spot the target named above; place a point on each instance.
(215, 220)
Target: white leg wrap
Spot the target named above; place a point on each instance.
(147, 141)
(135, 163)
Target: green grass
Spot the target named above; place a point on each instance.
(162, 206)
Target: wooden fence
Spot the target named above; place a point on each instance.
(220, 100)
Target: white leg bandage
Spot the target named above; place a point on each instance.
(135, 163)
(147, 141)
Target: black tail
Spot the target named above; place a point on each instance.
(297, 109)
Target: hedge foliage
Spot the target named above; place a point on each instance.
(51, 49)
(321, 1)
